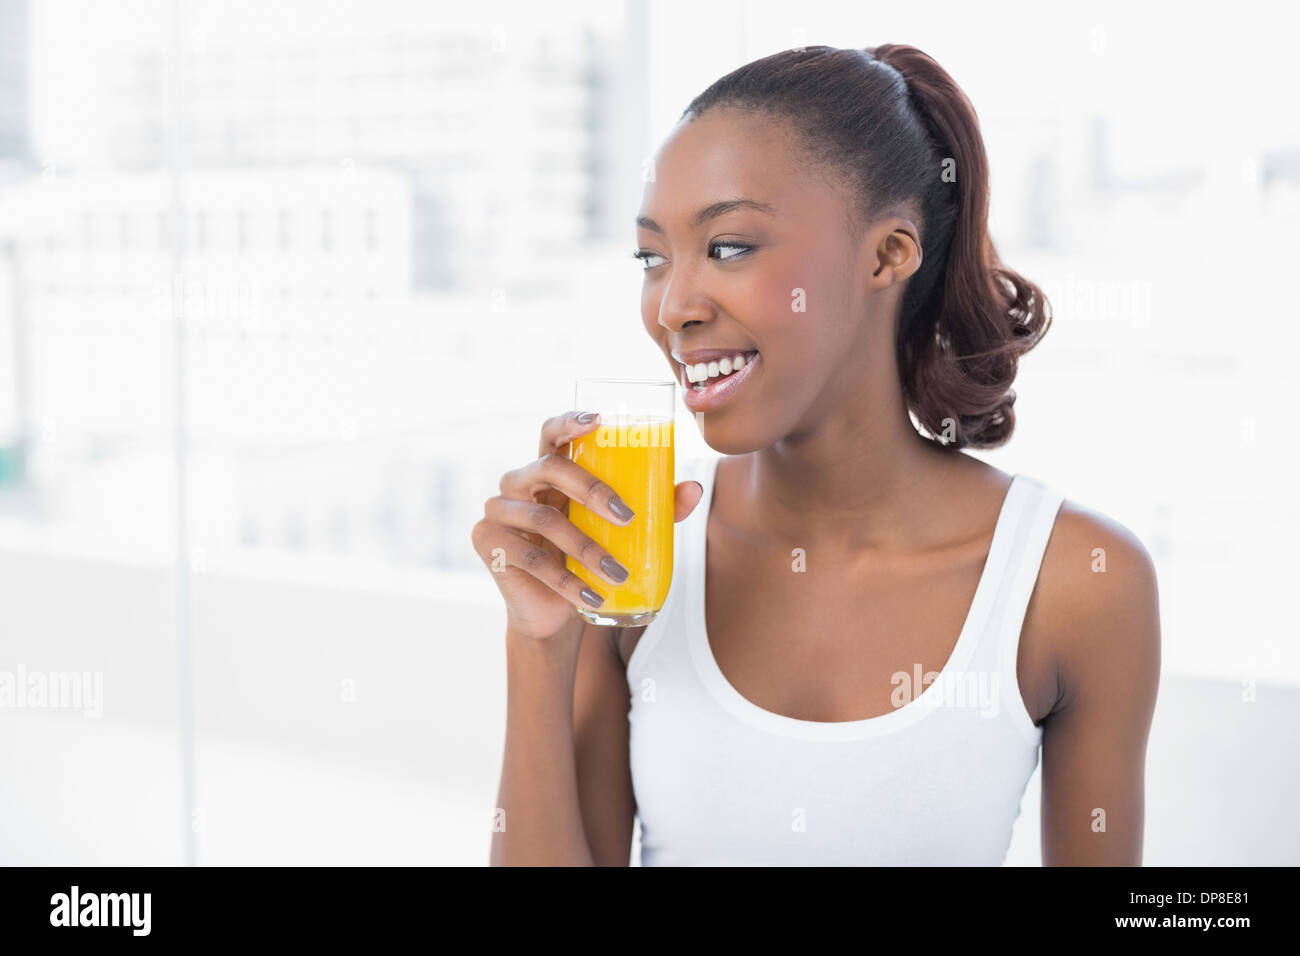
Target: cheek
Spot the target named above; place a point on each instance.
(767, 302)
(798, 305)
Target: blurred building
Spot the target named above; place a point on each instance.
(361, 207)
(14, 84)
(498, 137)
(14, 158)
(270, 254)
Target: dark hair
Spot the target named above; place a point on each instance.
(894, 126)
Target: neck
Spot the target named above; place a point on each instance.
(852, 483)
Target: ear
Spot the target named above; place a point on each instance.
(894, 252)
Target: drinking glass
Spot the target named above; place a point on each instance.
(632, 452)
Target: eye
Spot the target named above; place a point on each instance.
(645, 258)
(713, 246)
(730, 250)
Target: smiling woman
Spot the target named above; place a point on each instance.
(817, 271)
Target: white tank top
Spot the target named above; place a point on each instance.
(937, 781)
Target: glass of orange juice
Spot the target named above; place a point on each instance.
(632, 452)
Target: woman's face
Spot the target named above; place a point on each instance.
(775, 280)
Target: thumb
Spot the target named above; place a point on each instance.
(688, 495)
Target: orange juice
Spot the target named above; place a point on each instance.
(634, 456)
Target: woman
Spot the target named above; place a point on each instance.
(870, 634)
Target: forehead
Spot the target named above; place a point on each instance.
(724, 154)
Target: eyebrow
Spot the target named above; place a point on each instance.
(711, 212)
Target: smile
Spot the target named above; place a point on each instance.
(713, 377)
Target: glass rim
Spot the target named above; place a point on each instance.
(624, 381)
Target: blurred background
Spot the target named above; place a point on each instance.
(286, 286)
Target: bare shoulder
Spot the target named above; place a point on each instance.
(1095, 565)
(1095, 606)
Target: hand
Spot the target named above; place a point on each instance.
(525, 532)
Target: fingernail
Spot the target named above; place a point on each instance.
(586, 418)
(613, 569)
(592, 598)
(620, 509)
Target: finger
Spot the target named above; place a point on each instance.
(688, 495)
(562, 429)
(571, 480)
(537, 561)
(551, 524)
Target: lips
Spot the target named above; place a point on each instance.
(709, 393)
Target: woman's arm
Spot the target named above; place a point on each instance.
(600, 710)
(566, 788)
(1107, 647)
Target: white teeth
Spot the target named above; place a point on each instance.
(701, 372)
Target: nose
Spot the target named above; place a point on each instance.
(684, 304)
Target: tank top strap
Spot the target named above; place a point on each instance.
(689, 536)
(1036, 510)
(691, 532)
(702, 469)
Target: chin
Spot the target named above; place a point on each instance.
(734, 437)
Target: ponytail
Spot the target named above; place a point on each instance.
(967, 321)
(902, 131)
